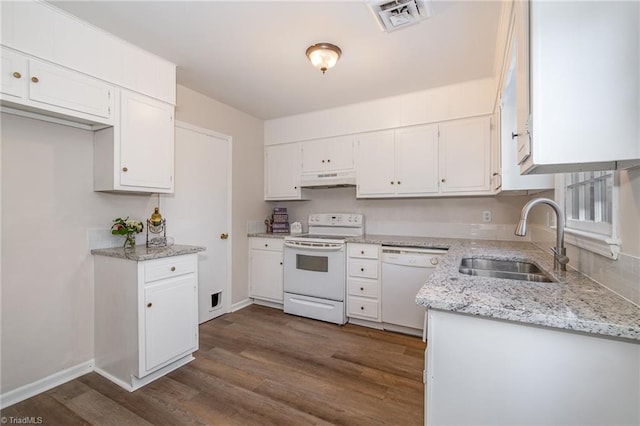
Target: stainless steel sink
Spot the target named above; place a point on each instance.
(509, 269)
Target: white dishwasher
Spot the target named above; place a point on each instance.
(404, 272)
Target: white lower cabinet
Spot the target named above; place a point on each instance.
(146, 317)
(266, 269)
(490, 372)
(32, 84)
(363, 282)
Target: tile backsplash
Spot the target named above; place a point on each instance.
(621, 276)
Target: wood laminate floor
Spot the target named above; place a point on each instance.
(259, 366)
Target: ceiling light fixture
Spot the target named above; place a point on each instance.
(324, 55)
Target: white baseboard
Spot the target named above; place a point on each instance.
(241, 304)
(44, 384)
(268, 304)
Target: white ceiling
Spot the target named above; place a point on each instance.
(251, 54)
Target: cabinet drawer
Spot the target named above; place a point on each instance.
(363, 268)
(361, 307)
(169, 267)
(367, 251)
(363, 288)
(276, 244)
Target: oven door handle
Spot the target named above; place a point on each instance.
(311, 247)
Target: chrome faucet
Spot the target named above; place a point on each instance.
(560, 258)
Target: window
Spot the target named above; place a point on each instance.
(589, 201)
(591, 209)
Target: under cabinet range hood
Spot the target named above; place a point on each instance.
(328, 179)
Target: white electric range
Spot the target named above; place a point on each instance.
(315, 266)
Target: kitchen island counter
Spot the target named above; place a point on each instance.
(574, 302)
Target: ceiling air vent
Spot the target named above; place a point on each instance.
(395, 14)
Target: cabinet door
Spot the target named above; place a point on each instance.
(521, 47)
(266, 275)
(417, 160)
(314, 156)
(328, 154)
(375, 167)
(465, 162)
(14, 74)
(146, 142)
(340, 153)
(282, 169)
(170, 320)
(60, 87)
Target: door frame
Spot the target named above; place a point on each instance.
(229, 140)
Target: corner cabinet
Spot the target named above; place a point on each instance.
(136, 154)
(146, 317)
(449, 158)
(266, 258)
(282, 169)
(465, 156)
(585, 117)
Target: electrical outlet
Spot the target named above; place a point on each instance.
(486, 216)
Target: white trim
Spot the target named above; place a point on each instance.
(44, 384)
(137, 383)
(50, 119)
(596, 243)
(241, 304)
(229, 139)
(604, 245)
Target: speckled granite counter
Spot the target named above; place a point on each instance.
(141, 252)
(575, 302)
(265, 235)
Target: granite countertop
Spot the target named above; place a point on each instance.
(265, 235)
(142, 252)
(574, 303)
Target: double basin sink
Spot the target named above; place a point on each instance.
(509, 269)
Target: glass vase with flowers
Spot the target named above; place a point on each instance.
(127, 227)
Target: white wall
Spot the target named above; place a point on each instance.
(461, 100)
(247, 171)
(48, 209)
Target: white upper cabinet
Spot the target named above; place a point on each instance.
(282, 168)
(68, 89)
(417, 160)
(37, 85)
(43, 31)
(147, 133)
(136, 154)
(584, 81)
(324, 155)
(465, 155)
(376, 167)
(453, 157)
(508, 177)
(14, 75)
